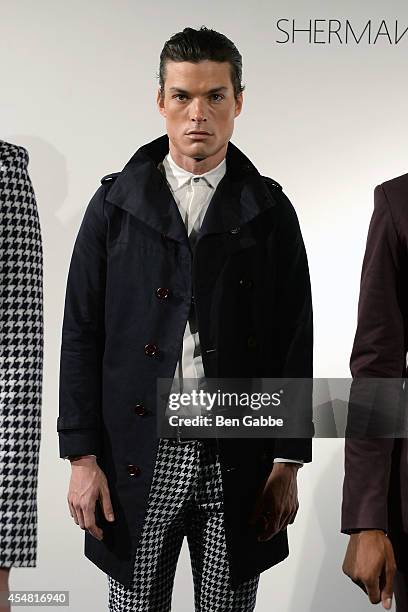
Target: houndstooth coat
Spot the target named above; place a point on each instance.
(21, 358)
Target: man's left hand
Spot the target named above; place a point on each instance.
(277, 502)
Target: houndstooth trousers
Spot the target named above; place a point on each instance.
(185, 499)
(21, 358)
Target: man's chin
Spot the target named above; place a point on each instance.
(198, 155)
(195, 151)
(198, 152)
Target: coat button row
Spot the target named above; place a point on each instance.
(151, 349)
(134, 470)
(162, 293)
(140, 409)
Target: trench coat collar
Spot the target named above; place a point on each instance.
(142, 190)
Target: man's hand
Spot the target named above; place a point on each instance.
(370, 563)
(277, 502)
(88, 483)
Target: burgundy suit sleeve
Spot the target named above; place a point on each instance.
(378, 351)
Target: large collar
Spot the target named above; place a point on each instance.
(142, 190)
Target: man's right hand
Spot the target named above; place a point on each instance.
(370, 563)
(88, 484)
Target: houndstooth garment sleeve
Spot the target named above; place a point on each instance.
(21, 358)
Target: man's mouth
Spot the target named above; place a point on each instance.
(198, 132)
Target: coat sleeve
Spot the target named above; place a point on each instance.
(378, 351)
(295, 335)
(83, 337)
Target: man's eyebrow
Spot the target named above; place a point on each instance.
(213, 90)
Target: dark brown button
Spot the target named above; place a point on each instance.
(150, 349)
(252, 343)
(134, 470)
(245, 283)
(162, 293)
(140, 409)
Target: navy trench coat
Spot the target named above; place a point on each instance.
(250, 281)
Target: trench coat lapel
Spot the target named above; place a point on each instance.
(235, 202)
(142, 190)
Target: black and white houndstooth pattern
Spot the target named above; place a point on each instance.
(185, 499)
(21, 358)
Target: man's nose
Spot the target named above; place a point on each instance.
(198, 111)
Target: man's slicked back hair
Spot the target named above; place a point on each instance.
(192, 45)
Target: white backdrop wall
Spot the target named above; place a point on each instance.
(328, 121)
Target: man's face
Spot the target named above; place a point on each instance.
(199, 97)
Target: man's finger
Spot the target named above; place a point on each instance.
(90, 525)
(284, 517)
(80, 516)
(284, 521)
(106, 504)
(266, 532)
(293, 516)
(287, 517)
(373, 590)
(95, 531)
(72, 512)
(387, 591)
(270, 525)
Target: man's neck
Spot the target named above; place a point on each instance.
(197, 166)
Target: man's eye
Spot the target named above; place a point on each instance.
(178, 96)
(220, 97)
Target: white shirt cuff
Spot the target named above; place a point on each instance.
(69, 456)
(281, 460)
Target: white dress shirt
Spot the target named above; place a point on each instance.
(192, 193)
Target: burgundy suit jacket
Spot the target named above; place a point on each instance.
(375, 489)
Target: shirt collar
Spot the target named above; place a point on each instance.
(178, 177)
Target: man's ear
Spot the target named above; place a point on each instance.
(160, 103)
(238, 103)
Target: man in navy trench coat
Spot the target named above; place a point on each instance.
(250, 281)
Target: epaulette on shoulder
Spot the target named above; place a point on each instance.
(109, 177)
(272, 183)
